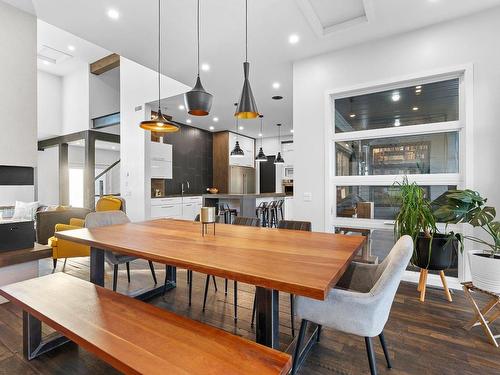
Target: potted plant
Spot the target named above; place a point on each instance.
(432, 250)
(467, 206)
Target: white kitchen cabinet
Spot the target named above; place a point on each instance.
(169, 211)
(161, 151)
(247, 145)
(190, 210)
(161, 169)
(176, 208)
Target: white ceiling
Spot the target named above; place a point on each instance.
(322, 25)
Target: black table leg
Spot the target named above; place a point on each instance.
(97, 266)
(33, 344)
(267, 311)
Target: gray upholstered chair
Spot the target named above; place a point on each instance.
(105, 218)
(363, 307)
(238, 220)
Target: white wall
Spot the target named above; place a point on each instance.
(18, 86)
(48, 176)
(49, 95)
(271, 146)
(75, 100)
(138, 85)
(463, 41)
(104, 93)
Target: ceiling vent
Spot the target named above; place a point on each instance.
(52, 55)
(329, 16)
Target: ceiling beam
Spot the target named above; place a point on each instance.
(105, 64)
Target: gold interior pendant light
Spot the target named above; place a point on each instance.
(247, 108)
(158, 122)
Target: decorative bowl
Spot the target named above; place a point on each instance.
(213, 190)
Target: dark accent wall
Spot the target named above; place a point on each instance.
(192, 160)
(10, 175)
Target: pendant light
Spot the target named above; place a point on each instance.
(237, 151)
(198, 102)
(261, 156)
(247, 109)
(279, 159)
(351, 113)
(158, 122)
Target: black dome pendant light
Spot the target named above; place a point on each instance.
(237, 151)
(159, 123)
(198, 102)
(247, 109)
(261, 156)
(279, 159)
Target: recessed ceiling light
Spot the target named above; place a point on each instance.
(215, 119)
(397, 122)
(352, 115)
(277, 97)
(241, 127)
(205, 67)
(260, 134)
(45, 62)
(396, 96)
(181, 107)
(276, 85)
(211, 127)
(415, 108)
(71, 47)
(113, 147)
(188, 121)
(293, 39)
(113, 14)
(291, 130)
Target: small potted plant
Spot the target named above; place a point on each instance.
(467, 206)
(432, 250)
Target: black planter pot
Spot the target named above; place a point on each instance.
(442, 252)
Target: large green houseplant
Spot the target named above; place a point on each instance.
(432, 250)
(467, 206)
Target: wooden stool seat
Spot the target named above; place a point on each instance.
(485, 316)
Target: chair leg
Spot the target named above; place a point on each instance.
(292, 320)
(318, 336)
(225, 287)
(206, 292)
(253, 310)
(166, 281)
(115, 276)
(215, 283)
(302, 332)
(190, 275)
(128, 271)
(54, 262)
(152, 267)
(371, 356)
(235, 293)
(64, 264)
(384, 347)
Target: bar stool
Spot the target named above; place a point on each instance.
(272, 214)
(261, 213)
(279, 209)
(227, 212)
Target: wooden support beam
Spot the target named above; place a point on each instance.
(63, 174)
(106, 63)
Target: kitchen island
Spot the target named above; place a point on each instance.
(244, 203)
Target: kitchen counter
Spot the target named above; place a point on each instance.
(240, 196)
(179, 195)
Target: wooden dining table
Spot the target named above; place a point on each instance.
(274, 260)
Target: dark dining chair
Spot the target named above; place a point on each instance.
(238, 220)
(291, 225)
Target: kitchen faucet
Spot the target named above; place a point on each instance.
(182, 187)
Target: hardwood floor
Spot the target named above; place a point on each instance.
(422, 337)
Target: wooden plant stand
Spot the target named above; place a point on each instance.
(480, 317)
(423, 282)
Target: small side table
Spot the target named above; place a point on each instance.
(492, 308)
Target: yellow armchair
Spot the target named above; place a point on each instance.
(67, 249)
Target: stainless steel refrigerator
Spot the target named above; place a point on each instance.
(241, 180)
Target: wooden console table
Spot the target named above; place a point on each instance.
(481, 315)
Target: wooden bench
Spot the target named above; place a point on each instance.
(133, 336)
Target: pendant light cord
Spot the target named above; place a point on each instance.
(261, 119)
(246, 30)
(159, 53)
(198, 33)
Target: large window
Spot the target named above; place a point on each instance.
(380, 135)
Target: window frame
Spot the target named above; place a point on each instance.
(464, 177)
